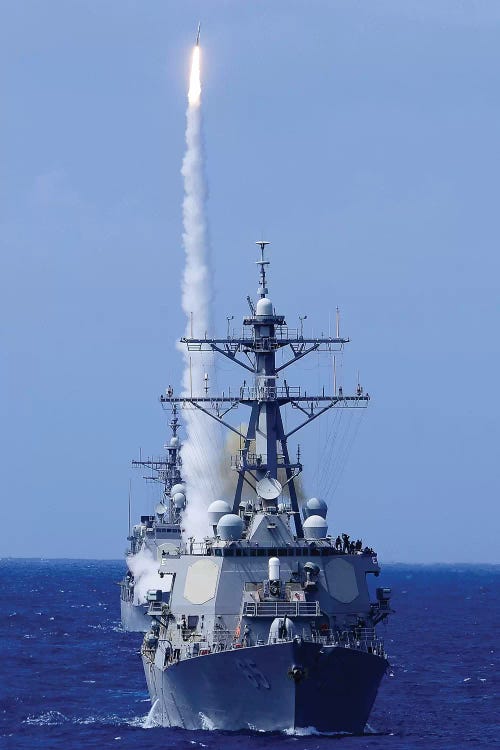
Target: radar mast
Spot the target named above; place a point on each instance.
(264, 334)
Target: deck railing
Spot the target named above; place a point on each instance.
(280, 609)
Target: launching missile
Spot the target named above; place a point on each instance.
(198, 35)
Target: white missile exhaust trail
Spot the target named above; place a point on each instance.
(202, 449)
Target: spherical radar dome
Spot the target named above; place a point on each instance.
(264, 308)
(316, 507)
(315, 527)
(177, 488)
(216, 510)
(230, 527)
(175, 442)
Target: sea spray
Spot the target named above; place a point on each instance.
(203, 446)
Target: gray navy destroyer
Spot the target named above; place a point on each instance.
(268, 624)
(156, 534)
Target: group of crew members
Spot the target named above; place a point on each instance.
(350, 547)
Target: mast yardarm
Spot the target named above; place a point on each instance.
(265, 333)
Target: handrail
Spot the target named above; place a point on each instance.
(280, 609)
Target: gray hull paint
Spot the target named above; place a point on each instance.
(251, 688)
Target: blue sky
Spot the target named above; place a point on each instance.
(362, 138)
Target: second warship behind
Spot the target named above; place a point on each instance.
(268, 624)
(155, 534)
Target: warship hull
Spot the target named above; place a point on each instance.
(278, 687)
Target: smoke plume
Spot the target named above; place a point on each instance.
(203, 445)
(146, 576)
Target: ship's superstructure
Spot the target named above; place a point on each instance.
(156, 535)
(268, 622)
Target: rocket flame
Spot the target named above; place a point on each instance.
(194, 92)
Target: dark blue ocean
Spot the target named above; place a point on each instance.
(70, 678)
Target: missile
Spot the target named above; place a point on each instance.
(198, 35)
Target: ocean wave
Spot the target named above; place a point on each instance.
(311, 732)
(56, 718)
(47, 719)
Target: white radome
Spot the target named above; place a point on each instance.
(316, 507)
(230, 527)
(264, 308)
(315, 527)
(217, 510)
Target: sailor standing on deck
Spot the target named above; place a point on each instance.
(345, 538)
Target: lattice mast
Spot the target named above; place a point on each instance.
(265, 333)
(166, 470)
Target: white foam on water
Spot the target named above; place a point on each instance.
(149, 722)
(48, 719)
(56, 718)
(311, 732)
(112, 719)
(300, 732)
(206, 722)
(138, 721)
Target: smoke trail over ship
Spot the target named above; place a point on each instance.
(202, 449)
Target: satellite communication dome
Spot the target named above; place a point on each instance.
(177, 488)
(216, 510)
(230, 527)
(268, 488)
(316, 507)
(179, 499)
(264, 308)
(160, 510)
(174, 442)
(315, 527)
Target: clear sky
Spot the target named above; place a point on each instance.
(362, 139)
